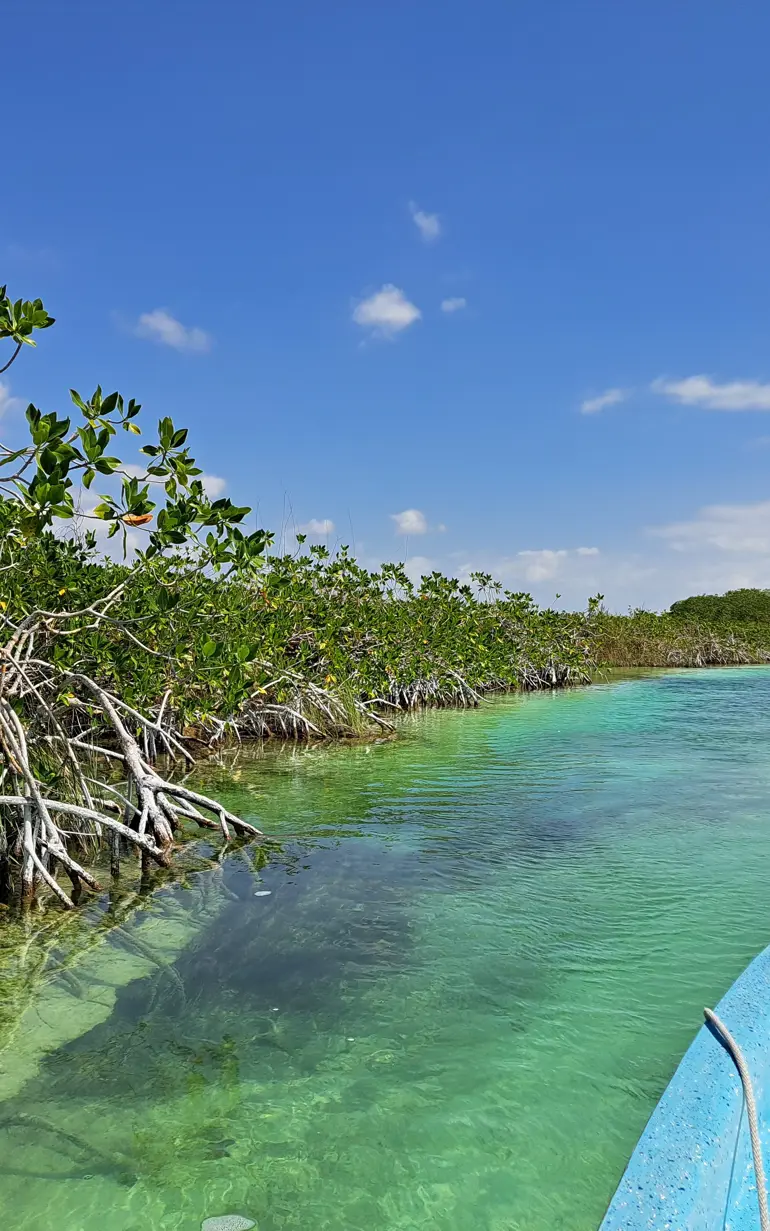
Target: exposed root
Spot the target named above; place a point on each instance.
(644, 639)
(153, 807)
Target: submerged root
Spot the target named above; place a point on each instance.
(95, 1159)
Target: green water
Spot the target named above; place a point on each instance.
(485, 948)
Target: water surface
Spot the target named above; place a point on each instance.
(484, 949)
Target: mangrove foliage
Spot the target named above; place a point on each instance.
(117, 665)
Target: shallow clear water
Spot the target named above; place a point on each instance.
(485, 948)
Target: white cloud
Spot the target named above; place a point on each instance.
(721, 547)
(213, 485)
(7, 403)
(625, 578)
(735, 528)
(317, 526)
(411, 521)
(386, 312)
(610, 397)
(160, 326)
(419, 566)
(135, 471)
(541, 565)
(454, 304)
(429, 225)
(703, 391)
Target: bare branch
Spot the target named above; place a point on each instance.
(14, 356)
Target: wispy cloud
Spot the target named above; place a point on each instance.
(386, 312)
(411, 521)
(24, 254)
(160, 326)
(704, 392)
(135, 471)
(610, 397)
(576, 566)
(429, 225)
(719, 547)
(213, 485)
(625, 578)
(317, 526)
(541, 565)
(454, 304)
(419, 566)
(739, 528)
(7, 402)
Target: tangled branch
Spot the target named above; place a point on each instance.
(37, 699)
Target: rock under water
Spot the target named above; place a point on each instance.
(228, 1222)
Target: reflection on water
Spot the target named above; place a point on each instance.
(450, 1002)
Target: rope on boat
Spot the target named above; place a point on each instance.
(751, 1111)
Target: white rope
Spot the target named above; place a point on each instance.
(751, 1111)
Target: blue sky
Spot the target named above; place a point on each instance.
(378, 257)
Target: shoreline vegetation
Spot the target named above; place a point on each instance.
(116, 674)
(679, 639)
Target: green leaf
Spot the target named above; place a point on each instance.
(12, 457)
(167, 599)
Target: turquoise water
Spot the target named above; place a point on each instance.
(484, 949)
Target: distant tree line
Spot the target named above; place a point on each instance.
(736, 606)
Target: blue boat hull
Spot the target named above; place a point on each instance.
(692, 1168)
